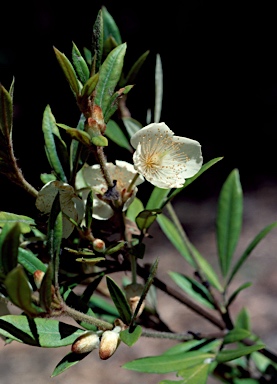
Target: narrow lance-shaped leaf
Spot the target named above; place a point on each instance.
(9, 219)
(97, 42)
(30, 261)
(109, 76)
(232, 354)
(113, 102)
(114, 133)
(229, 219)
(80, 64)
(45, 291)
(68, 71)
(49, 128)
(67, 362)
(158, 89)
(6, 112)
(110, 27)
(9, 248)
(250, 248)
(119, 300)
(89, 86)
(132, 74)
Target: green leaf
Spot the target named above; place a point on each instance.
(89, 86)
(46, 333)
(146, 218)
(119, 300)
(132, 74)
(232, 354)
(30, 261)
(168, 363)
(97, 42)
(203, 169)
(110, 27)
(68, 71)
(68, 361)
(76, 134)
(45, 291)
(194, 289)
(114, 133)
(134, 209)
(9, 219)
(19, 291)
(9, 248)
(80, 64)
(158, 89)
(235, 335)
(250, 248)
(197, 374)
(76, 149)
(50, 129)
(6, 112)
(113, 101)
(99, 141)
(131, 125)
(130, 338)
(236, 292)
(185, 248)
(229, 219)
(157, 198)
(109, 76)
(243, 320)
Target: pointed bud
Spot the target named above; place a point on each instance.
(133, 293)
(99, 245)
(85, 343)
(38, 276)
(109, 343)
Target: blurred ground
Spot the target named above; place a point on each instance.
(24, 364)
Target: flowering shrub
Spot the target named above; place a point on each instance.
(93, 222)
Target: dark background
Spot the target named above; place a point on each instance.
(220, 82)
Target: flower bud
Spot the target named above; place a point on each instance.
(133, 293)
(38, 276)
(85, 343)
(99, 245)
(109, 343)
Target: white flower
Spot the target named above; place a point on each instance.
(163, 159)
(70, 203)
(122, 172)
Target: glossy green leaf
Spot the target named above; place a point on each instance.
(109, 76)
(236, 334)
(19, 291)
(68, 71)
(131, 125)
(157, 198)
(130, 338)
(197, 374)
(134, 209)
(110, 27)
(232, 354)
(119, 300)
(193, 288)
(30, 261)
(114, 133)
(158, 89)
(243, 319)
(229, 220)
(146, 218)
(46, 333)
(168, 363)
(132, 74)
(250, 248)
(67, 362)
(80, 64)
(45, 291)
(6, 112)
(185, 248)
(9, 219)
(89, 86)
(9, 248)
(50, 129)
